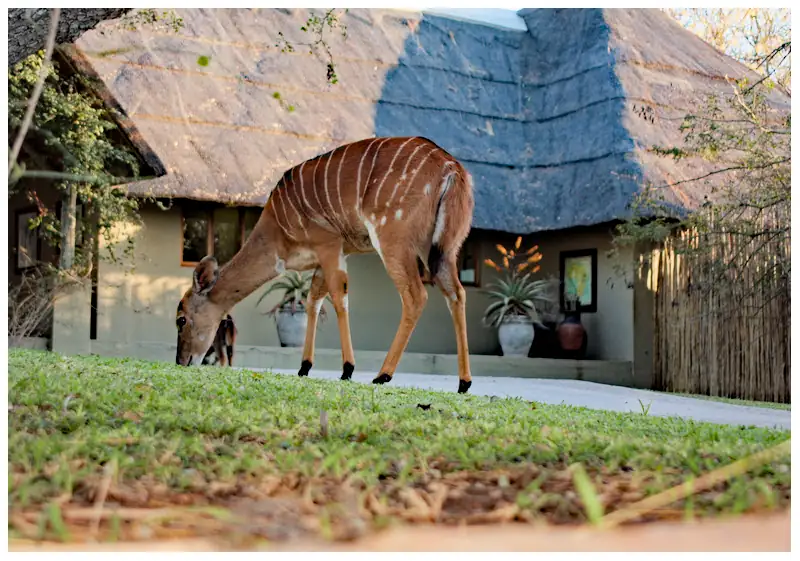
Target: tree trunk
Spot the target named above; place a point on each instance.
(68, 221)
(27, 27)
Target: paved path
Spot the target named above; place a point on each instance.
(588, 394)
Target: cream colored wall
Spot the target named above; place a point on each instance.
(610, 329)
(140, 305)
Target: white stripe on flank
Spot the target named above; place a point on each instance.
(278, 220)
(343, 216)
(416, 171)
(316, 193)
(438, 230)
(284, 195)
(371, 169)
(302, 189)
(360, 164)
(403, 176)
(391, 168)
(291, 202)
(399, 214)
(328, 193)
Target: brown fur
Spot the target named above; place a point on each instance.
(381, 194)
(224, 340)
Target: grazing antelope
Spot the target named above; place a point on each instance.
(405, 199)
(223, 343)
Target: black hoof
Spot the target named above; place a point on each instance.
(305, 368)
(463, 386)
(347, 371)
(382, 379)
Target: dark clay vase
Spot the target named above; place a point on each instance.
(572, 336)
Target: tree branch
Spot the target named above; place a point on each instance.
(723, 170)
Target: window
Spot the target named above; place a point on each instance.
(468, 267)
(214, 230)
(29, 243)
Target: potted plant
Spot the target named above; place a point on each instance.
(516, 298)
(290, 312)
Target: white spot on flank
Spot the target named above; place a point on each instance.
(427, 189)
(383, 220)
(373, 238)
(202, 338)
(399, 214)
(280, 266)
(372, 217)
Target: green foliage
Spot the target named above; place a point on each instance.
(203, 60)
(74, 127)
(517, 295)
(317, 26)
(151, 17)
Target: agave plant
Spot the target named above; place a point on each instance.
(517, 295)
(296, 286)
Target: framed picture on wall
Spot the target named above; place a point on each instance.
(28, 242)
(578, 274)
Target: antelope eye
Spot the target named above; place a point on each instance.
(181, 321)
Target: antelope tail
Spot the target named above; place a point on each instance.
(453, 216)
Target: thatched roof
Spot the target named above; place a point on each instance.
(546, 120)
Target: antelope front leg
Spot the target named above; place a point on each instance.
(316, 296)
(334, 266)
(405, 274)
(456, 298)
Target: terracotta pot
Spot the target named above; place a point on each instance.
(572, 336)
(516, 335)
(292, 327)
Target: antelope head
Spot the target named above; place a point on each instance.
(198, 315)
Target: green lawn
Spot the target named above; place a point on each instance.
(279, 456)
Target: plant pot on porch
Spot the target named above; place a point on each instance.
(291, 326)
(572, 336)
(290, 311)
(516, 335)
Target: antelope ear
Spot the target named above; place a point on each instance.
(205, 275)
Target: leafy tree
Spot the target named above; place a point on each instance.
(748, 203)
(758, 37)
(72, 126)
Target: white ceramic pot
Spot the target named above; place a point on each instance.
(292, 327)
(516, 336)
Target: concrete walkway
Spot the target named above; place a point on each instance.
(587, 394)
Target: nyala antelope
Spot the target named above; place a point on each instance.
(224, 341)
(405, 199)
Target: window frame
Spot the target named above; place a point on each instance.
(208, 210)
(37, 261)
